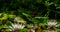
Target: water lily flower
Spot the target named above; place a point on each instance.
(19, 20)
(52, 24)
(18, 26)
(14, 27)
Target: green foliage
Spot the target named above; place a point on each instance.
(26, 10)
(31, 6)
(24, 30)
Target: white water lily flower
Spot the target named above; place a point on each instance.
(52, 23)
(17, 26)
(19, 20)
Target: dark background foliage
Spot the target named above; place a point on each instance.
(48, 8)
